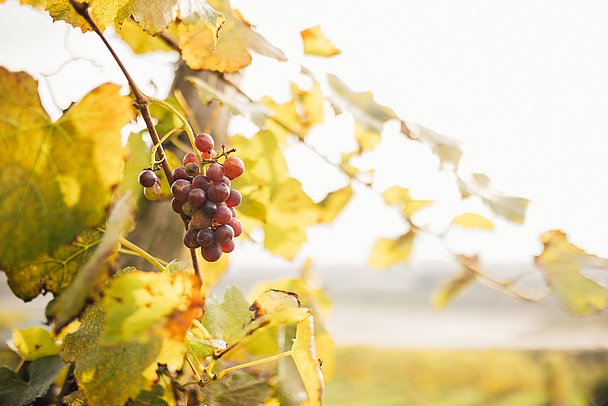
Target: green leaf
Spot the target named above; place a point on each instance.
(238, 389)
(83, 289)
(387, 252)
(472, 220)
(227, 319)
(42, 372)
(316, 43)
(139, 40)
(137, 157)
(456, 285)
(364, 109)
(235, 103)
(150, 398)
(113, 374)
(305, 357)
(508, 207)
(34, 343)
(333, 204)
(141, 305)
(447, 149)
(59, 176)
(562, 263)
(229, 51)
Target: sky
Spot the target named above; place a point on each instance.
(522, 85)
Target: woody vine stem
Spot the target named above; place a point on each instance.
(142, 103)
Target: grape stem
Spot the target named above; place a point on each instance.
(142, 101)
(226, 371)
(142, 253)
(187, 126)
(156, 146)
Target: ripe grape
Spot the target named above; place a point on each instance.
(177, 206)
(225, 181)
(190, 157)
(190, 240)
(192, 169)
(233, 167)
(218, 192)
(180, 189)
(228, 247)
(234, 199)
(180, 173)
(148, 178)
(197, 197)
(215, 172)
(224, 234)
(205, 237)
(210, 155)
(204, 142)
(200, 220)
(213, 252)
(209, 207)
(232, 210)
(222, 215)
(201, 182)
(236, 225)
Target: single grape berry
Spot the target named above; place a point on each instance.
(210, 155)
(192, 169)
(213, 252)
(215, 172)
(236, 225)
(201, 182)
(180, 189)
(180, 173)
(204, 142)
(187, 209)
(209, 207)
(234, 199)
(224, 234)
(153, 192)
(197, 197)
(205, 237)
(225, 181)
(222, 215)
(147, 178)
(228, 247)
(233, 167)
(190, 240)
(232, 210)
(177, 206)
(200, 220)
(218, 192)
(190, 157)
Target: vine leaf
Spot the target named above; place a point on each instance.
(472, 220)
(227, 319)
(67, 306)
(230, 51)
(400, 196)
(137, 157)
(113, 374)
(59, 176)
(316, 43)
(508, 207)
(366, 111)
(14, 391)
(305, 357)
(446, 148)
(238, 389)
(387, 252)
(466, 276)
(562, 263)
(142, 305)
(140, 41)
(34, 343)
(333, 204)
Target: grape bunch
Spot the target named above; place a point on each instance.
(203, 198)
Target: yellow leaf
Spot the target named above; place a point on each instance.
(139, 40)
(310, 104)
(316, 43)
(231, 51)
(304, 355)
(387, 252)
(400, 196)
(456, 285)
(283, 120)
(562, 263)
(334, 203)
(472, 220)
(446, 148)
(34, 343)
(367, 139)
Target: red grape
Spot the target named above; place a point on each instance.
(180, 173)
(147, 178)
(209, 207)
(192, 169)
(204, 142)
(228, 247)
(190, 157)
(218, 192)
(190, 240)
(213, 252)
(215, 172)
(201, 182)
(236, 225)
(200, 220)
(177, 206)
(232, 210)
(205, 237)
(224, 234)
(180, 189)
(234, 199)
(225, 181)
(197, 197)
(233, 167)
(222, 215)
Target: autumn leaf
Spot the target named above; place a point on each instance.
(316, 43)
(33, 343)
(59, 177)
(230, 51)
(334, 203)
(305, 357)
(139, 40)
(447, 149)
(400, 197)
(472, 220)
(225, 320)
(509, 207)
(387, 251)
(464, 278)
(42, 374)
(562, 263)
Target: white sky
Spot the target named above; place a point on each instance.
(523, 85)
